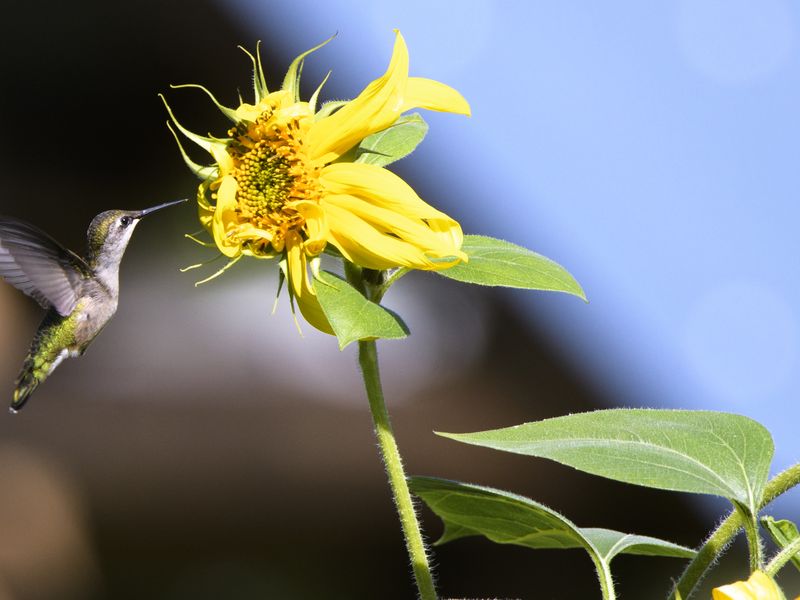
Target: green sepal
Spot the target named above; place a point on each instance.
(228, 112)
(200, 171)
(496, 262)
(679, 450)
(783, 533)
(328, 108)
(206, 143)
(312, 102)
(351, 316)
(393, 143)
(291, 82)
(506, 518)
(260, 89)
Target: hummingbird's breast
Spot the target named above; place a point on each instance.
(92, 312)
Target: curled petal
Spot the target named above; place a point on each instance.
(374, 109)
(366, 243)
(393, 207)
(224, 221)
(205, 211)
(300, 284)
(316, 226)
(433, 95)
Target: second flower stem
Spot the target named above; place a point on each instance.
(368, 359)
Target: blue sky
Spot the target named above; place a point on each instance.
(651, 148)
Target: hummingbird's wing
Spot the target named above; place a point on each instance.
(39, 266)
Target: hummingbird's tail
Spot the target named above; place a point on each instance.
(46, 353)
(26, 384)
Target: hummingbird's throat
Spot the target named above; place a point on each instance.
(272, 172)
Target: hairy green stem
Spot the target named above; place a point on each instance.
(368, 359)
(750, 525)
(721, 538)
(604, 576)
(782, 557)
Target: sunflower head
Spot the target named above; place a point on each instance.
(285, 182)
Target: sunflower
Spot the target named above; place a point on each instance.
(286, 182)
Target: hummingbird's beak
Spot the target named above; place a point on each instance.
(153, 209)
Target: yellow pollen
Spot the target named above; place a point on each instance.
(264, 179)
(271, 171)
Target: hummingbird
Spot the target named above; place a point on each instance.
(79, 294)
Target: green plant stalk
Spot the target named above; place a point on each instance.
(750, 524)
(722, 536)
(782, 557)
(368, 359)
(603, 575)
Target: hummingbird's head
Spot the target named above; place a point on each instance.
(110, 231)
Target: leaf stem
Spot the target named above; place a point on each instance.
(368, 359)
(750, 524)
(721, 538)
(603, 574)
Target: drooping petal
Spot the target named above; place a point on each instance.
(301, 288)
(385, 190)
(225, 218)
(205, 211)
(368, 245)
(316, 226)
(374, 109)
(401, 226)
(433, 95)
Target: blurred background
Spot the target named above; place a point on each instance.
(203, 449)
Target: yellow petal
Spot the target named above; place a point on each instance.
(316, 226)
(386, 190)
(248, 112)
(205, 211)
(433, 95)
(374, 109)
(362, 243)
(383, 186)
(301, 287)
(225, 218)
(760, 586)
(409, 229)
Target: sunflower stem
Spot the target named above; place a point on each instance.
(368, 359)
(750, 526)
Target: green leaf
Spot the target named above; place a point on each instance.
(507, 518)
(610, 543)
(393, 143)
(783, 533)
(496, 262)
(352, 316)
(691, 451)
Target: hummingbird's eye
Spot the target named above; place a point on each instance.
(125, 221)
